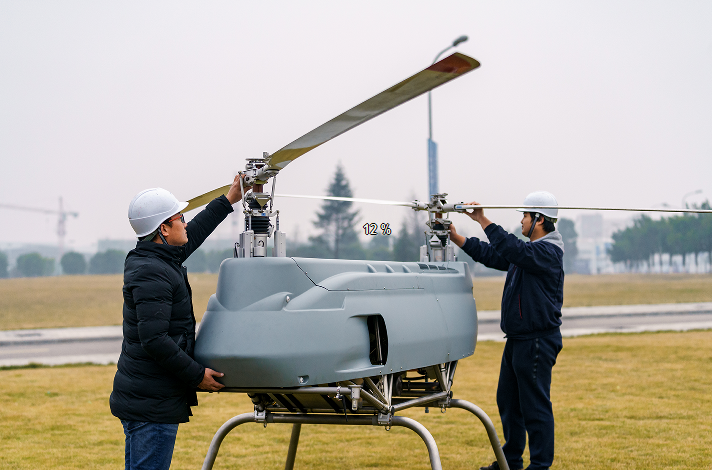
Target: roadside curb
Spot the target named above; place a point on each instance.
(94, 333)
(59, 335)
(488, 316)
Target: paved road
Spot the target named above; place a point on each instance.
(102, 345)
(102, 351)
(577, 326)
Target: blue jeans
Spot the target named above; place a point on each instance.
(149, 446)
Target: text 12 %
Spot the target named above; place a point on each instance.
(372, 229)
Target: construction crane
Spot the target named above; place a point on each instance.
(61, 221)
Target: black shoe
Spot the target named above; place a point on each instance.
(495, 466)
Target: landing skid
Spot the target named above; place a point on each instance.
(364, 407)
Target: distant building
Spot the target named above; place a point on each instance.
(594, 241)
(590, 226)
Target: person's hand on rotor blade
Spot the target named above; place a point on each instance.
(208, 383)
(456, 238)
(234, 194)
(478, 215)
(474, 213)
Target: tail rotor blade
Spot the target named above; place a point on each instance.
(441, 72)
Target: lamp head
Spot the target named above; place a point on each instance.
(459, 40)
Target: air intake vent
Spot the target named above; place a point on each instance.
(378, 340)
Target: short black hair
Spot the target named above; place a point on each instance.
(154, 235)
(548, 225)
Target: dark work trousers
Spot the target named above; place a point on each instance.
(523, 398)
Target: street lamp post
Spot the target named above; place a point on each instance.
(684, 204)
(432, 146)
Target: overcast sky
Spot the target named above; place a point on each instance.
(599, 102)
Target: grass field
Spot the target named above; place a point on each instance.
(52, 302)
(621, 402)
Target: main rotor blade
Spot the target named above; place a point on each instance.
(352, 199)
(629, 209)
(441, 72)
(206, 198)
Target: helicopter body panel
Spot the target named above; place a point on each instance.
(285, 322)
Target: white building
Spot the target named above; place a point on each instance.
(594, 240)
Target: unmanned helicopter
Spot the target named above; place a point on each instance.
(336, 341)
(349, 342)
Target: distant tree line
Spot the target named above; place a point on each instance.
(27, 265)
(104, 262)
(203, 261)
(73, 263)
(34, 265)
(677, 235)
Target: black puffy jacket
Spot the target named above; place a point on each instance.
(157, 376)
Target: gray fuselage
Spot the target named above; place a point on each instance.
(286, 322)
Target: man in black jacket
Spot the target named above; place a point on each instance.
(156, 376)
(531, 316)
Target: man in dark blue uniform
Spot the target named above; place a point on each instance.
(531, 317)
(156, 375)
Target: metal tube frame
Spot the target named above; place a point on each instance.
(298, 419)
(381, 419)
(293, 443)
(491, 431)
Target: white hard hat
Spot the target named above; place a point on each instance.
(150, 208)
(543, 199)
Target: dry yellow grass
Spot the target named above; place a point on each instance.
(621, 402)
(65, 301)
(45, 302)
(631, 289)
(612, 289)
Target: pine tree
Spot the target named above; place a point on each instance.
(337, 220)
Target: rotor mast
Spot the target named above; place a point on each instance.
(257, 205)
(438, 247)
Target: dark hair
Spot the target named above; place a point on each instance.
(154, 235)
(548, 225)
